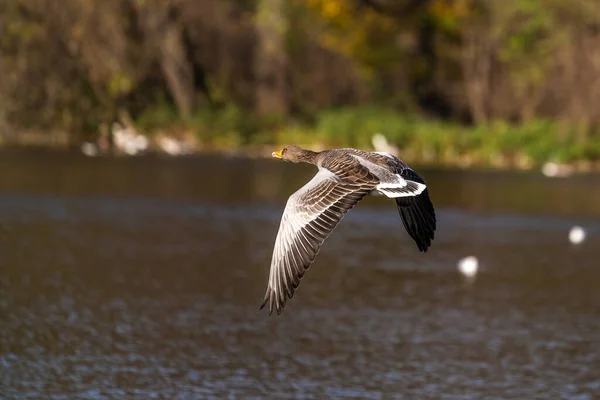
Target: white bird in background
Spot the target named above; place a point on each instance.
(89, 149)
(554, 170)
(577, 235)
(128, 140)
(141, 142)
(172, 146)
(468, 266)
(381, 144)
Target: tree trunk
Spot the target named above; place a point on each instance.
(476, 64)
(177, 68)
(270, 61)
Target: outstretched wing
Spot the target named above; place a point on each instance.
(416, 209)
(309, 217)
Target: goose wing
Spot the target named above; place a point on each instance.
(309, 217)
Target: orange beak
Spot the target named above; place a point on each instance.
(277, 154)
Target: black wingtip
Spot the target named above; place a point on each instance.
(419, 219)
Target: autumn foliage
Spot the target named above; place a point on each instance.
(76, 64)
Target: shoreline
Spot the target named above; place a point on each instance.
(463, 163)
(548, 146)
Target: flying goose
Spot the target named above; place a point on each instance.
(345, 176)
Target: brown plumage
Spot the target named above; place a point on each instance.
(345, 176)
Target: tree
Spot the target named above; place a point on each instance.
(270, 64)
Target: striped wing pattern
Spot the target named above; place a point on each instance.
(310, 215)
(410, 188)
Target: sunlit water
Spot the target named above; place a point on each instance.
(141, 278)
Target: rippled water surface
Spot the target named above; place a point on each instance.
(141, 278)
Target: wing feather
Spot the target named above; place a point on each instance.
(310, 215)
(417, 212)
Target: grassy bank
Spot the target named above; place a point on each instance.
(497, 144)
(425, 141)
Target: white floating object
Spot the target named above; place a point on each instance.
(129, 148)
(89, 149)
(555, 170)
(468, 266)
(172, 146)
(141, 142)
(128, 140)
(577, 235)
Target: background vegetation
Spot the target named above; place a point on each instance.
(474, 81)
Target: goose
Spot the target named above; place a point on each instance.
(344, 177)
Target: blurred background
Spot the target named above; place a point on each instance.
(468, 82)
(139, 204)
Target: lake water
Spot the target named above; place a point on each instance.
(141, 278)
